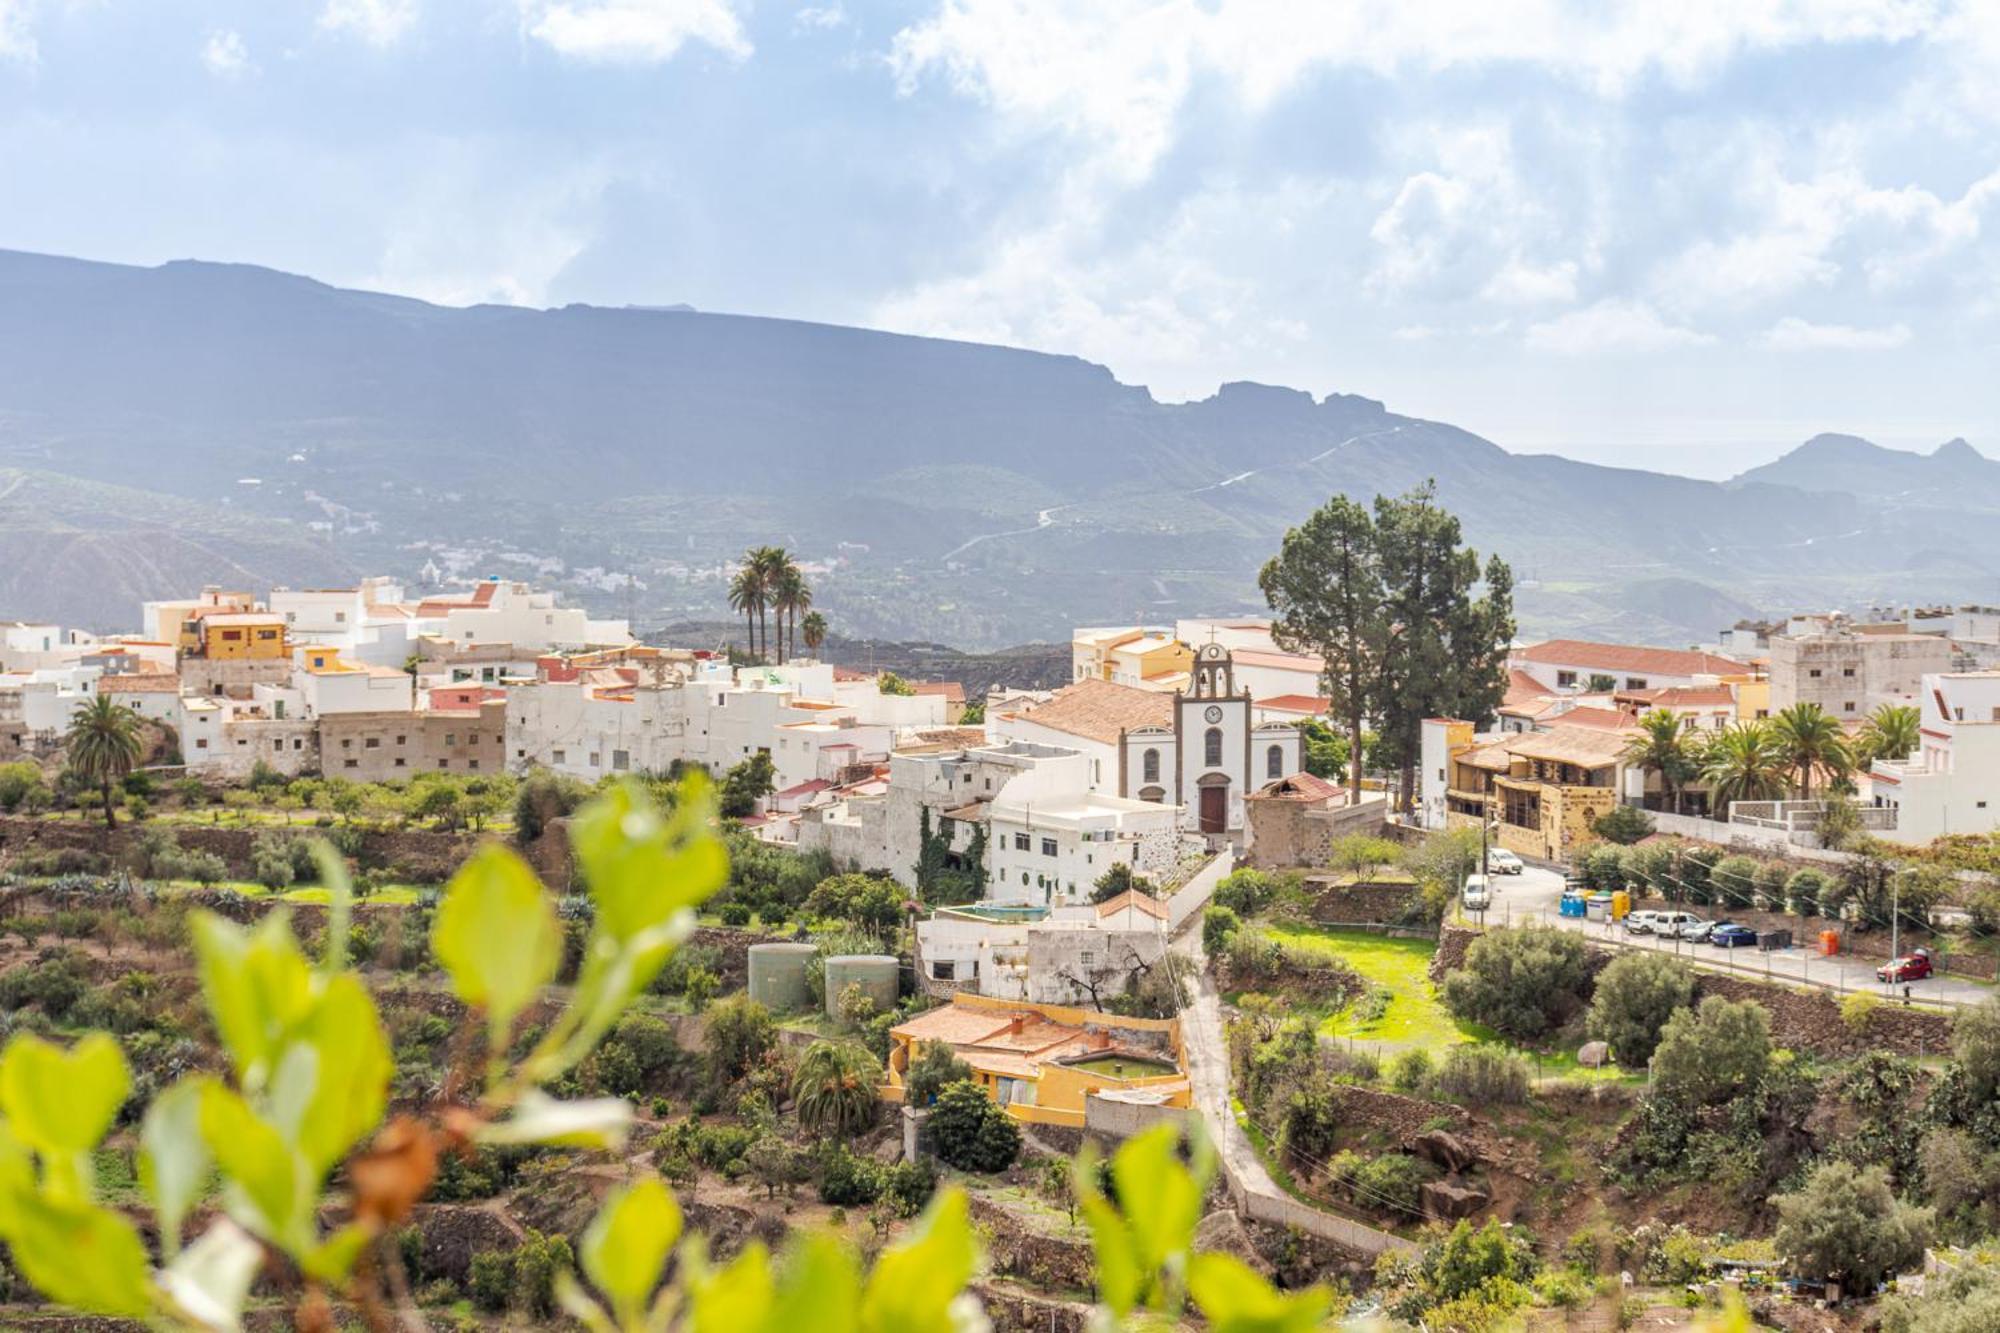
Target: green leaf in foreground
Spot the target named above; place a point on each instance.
(625, 1247)
(497, 935)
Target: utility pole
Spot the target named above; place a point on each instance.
(1895, 920)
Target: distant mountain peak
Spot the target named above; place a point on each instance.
(1956, 450)
(1832, 444)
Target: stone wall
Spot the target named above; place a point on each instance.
(1284, 834)
(1810, 1020)
(1115, 1119)
(1366, 902)
(421, 856)
(1453, 941)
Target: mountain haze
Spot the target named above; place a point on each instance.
(234, 424)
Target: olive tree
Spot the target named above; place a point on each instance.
(1636, 994)
(1846, 1225)
(1522, 982)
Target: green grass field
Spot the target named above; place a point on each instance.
(1414, 1015)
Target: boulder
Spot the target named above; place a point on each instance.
(1593, 1055)
(1444, 1148)
(1446, 1202)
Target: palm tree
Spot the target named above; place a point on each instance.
(792, 596)
(1889, 733)
(1808, 737)
(104, 746)
(765, 562)
(743, 596)
(1743, 763)
(1662, 747)
(836, 1088)
(813, 630)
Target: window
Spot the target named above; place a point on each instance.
(340, 617)
(1022, 842)
(1635, 682)
(1048, 846)
(472, 763)
(1814, 673)
(201, 744)
(372, 743)
(594, 763)
(402, 762)
(1212, 748)
(1565, 680)
(1274, 762)
(1149, 766)
(620, 760)
(558, 756)
(1847, 671)
(1848, 707)
(451, 738)
(351, 763)
(1087, 957)
(444, 763)
(279, 746)
(400, 740)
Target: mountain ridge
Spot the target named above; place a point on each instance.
(948, 491)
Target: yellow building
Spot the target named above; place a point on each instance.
(1040, 1061)
(1542, 789)
(257, 636)
(1150, 659)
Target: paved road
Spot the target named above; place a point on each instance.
(1208, 1068)
(1533, 895)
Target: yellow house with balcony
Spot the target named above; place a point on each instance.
(1542, 789)
(1042, 1061)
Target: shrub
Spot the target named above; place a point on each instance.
(1390, 1182)
(1858, 1010)
(1636, 994)
(18, 780)
(1696, 865)
(970, 1132)
(909, 1185)
(867, 901)
(1623, 824)
(1244, 892)
(1482, 1076)
(492, 1279)
(1603, 867)
(538, 1262)
(54, 985)
(1735, 880)
(934, 1065)
(1652, 868)
(541, 799)
(1218, 924)
(1847, 1225)
(739, 1031)
(1772, 878)
(1523, 982)
(1713, 1052)
(1975, 1042)
(1805, 891)
(1410, 1071)
(848, 1181)
(736, 915)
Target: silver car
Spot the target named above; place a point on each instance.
(1694, 928)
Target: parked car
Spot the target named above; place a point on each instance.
(1669, 925)
(1729, 935)
(1696, 929)
(1500, 861)
(1641, 922)
(1910, 967)
(1477, 895)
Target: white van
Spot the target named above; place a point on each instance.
(1477, 896)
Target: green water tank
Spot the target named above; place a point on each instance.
(778, 976)
(876, 973)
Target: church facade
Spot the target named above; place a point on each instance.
(1207, 753)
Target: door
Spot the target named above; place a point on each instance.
(1214, 809)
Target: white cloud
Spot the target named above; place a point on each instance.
(1611, 326)
(1792, 334)
(17, 33)
(1117, 72)
(380, 23)
(819, 16)
(1521, 283)
(224, 54)
(636, 31)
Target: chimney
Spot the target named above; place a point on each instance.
(1015, 1027)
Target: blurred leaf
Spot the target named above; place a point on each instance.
(257, 985)
(644, 868)
(737, 1298)
(497, 935)
(353, 1070)
(63, 1101)
(211, 1279)
(81, 1255)
(340, 903)
(625, 1247)
(254, 1157)
(599, 1123)
(1158, 1195)
(333, 1258)
(173, 1159)
(1235, 1298)
(818, 1288)
(915, 1283)
(577, 1304)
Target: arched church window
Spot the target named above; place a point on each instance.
(1274, 762)
(1149, 766)
(1212, 748)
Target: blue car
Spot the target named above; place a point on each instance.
(1729, 935)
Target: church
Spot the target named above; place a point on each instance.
(1209, 754)
(1198, 749)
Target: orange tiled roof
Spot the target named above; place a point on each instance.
(1100, 710)
(1297, 703)
(1143, 902)
(1587, 656)
(154, 683)
(1598, 719)
(1522, 688)
(1302, 787)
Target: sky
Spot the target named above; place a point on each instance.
(1680, 236)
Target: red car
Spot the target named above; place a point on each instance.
(1910, 967)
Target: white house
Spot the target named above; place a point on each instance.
(1045, 956)
(1952, 783)
(1050, 837)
